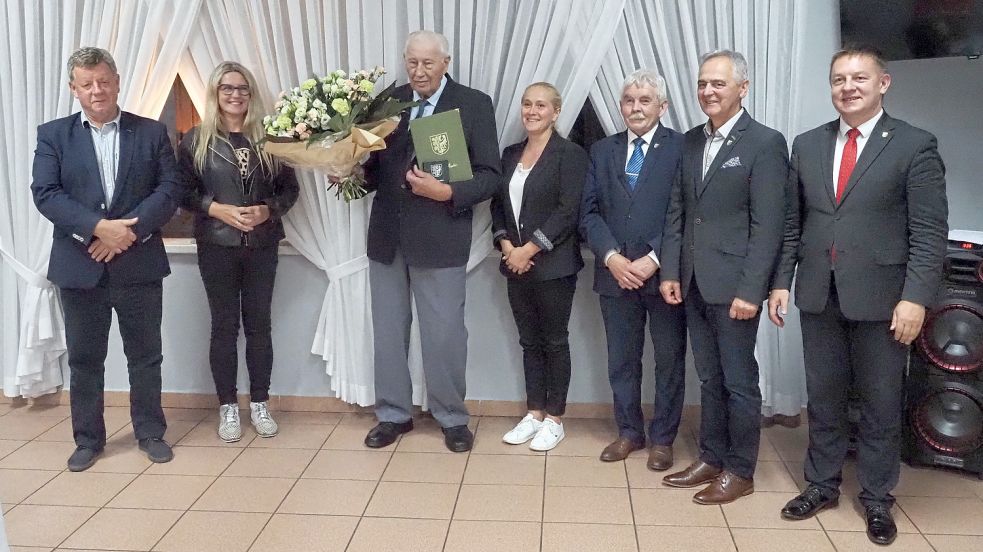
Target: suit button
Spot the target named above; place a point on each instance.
(629, 217)
(404, 186)
(698, 220)
(692, 248)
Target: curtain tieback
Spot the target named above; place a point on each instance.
(32, 278)
(347, 268)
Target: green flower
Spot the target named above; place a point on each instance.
(366, 86)
(284, 121)
(308, 84)
(340, 105)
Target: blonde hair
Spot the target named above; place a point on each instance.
(554, 94)
(211, 128)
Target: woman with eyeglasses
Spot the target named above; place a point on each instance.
(238, 194)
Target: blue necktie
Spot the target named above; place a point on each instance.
(635, 162)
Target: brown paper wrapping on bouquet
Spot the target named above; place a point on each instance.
(339, 158)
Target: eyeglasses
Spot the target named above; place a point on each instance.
(229, 89)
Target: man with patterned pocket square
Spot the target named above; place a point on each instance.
(723, 233)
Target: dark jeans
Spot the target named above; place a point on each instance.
(542, 313)
(88, 317)
(624, 324)
(239, 282)
(730, 399)
(843, 355)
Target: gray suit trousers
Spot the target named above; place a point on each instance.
(439, 295)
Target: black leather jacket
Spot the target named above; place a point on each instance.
(220, 181)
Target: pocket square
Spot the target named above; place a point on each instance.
(732, 162)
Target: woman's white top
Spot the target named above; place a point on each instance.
(516, 186)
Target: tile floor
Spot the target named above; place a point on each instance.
(316, 488)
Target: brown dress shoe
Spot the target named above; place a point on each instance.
(725, 489)
(660, 457)
(698, 473)
(619, 450)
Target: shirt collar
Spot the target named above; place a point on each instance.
(435, 97)
(725, 128)
(88, 124)
(648, 136)
(865, 128)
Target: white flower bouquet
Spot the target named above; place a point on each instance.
(331, 123)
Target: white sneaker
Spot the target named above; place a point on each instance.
(548, 437)
(264, 424)
(229, 428)
(523, 431)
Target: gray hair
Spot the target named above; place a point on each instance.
(647, 77)
(429, 36)
(89, 56)
(736, 59)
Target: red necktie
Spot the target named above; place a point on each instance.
(847, 162)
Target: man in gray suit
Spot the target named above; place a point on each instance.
(866, 226)
(723, 233)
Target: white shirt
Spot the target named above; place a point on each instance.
(516, 186)
(430, 103)
(647, 138)
(841, 139)
(715, 139)
(105, 142)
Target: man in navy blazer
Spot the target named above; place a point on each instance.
(624, 207)
(723, 233)
(108, 181)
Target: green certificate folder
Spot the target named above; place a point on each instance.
(440, 146)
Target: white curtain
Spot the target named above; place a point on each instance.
(669, 37)
(39, 38)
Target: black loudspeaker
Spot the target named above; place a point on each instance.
(944, 389)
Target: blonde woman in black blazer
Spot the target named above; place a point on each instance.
(534, 219)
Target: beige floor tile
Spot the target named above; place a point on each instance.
(685, 539)
(502, 469)
(351, 436)
(767, 452)
(425, 467)
(30, 525)
(334, 497)
(363, 420)
(116, 529)
(944, 516)
(162, 492)
(790, 444)
(118, 457)
(584, 471)
(488, 438)
(762, 510)
(587, 437)
(244, 494)
(81, 489)
(773, 476)
(364, 464)
(60, 411)
(935, 482)
(795, 469)
(640, 477)
(492, 536)
(849, 516)
(177, 429)
(213, 532)
(271, 463)
(37, 549)
(667, 506)
(856, 541)
(955, 543)
(62, 431)
(205, 434)
(777, 540)
(38, 455)
(413, 500)
(16, 485)
(295, 533)
(411, 535)
(316, 418)
(587, 505)
(197, 461)
(500, 503)
(8, 446)
(588, 537)
(24, 427)
(187, 414)
(302, 436)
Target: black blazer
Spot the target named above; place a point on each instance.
(550, 208)
(616, 217)
(68, 191)
(889, 228)
(431, 234)
(727, 227)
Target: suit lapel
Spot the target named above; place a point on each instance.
(724, 153)
(651, 156)
(508, 169)
(82, 143)
(828, 150)
(619, 148)
(126, 145)
(533, 178)
(878, 139)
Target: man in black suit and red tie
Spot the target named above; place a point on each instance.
(108, 180)
(723, 233)
(866, 229)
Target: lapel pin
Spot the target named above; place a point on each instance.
(729, 141)
(884, 134)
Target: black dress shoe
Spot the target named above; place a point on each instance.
(82, 459)
(809, 503)
(157, 450)
(880, 525)
(458, 438)
(385, 433)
